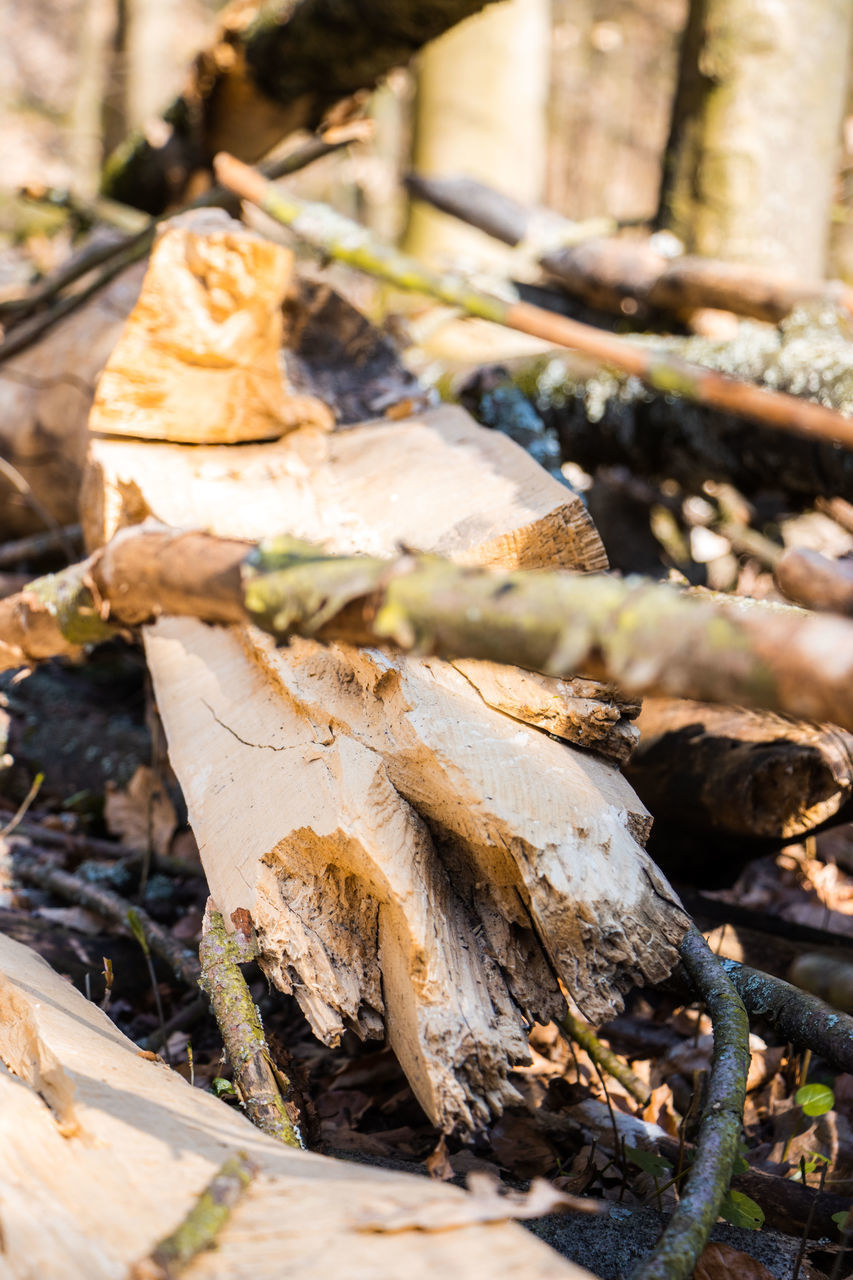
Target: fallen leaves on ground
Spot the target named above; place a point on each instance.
(141, 814)
(721, 1262)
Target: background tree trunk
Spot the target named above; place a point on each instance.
(481, 111)
(755, 132)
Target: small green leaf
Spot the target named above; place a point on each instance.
(741, 1211)
(815, 1099)
(649, 1162)
(740, 1165)
(222, 1088)
(807, 1166)
(841, 1219)
(137, 930)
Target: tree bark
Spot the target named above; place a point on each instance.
(274, 67)
(755, 130)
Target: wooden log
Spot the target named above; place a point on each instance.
(106, 1152)
(728, 771)
(330, 789)
(199, 358)
(815, 581)
(270, 69)
(45, 397)
(198, 275)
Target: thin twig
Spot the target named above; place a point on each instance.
(18, 815)
(604, 1057)
(24, 488)
(38, 544)
(801, 1253)
(257, 1080)
(112, 907)
(117, 257)
(708, 1180)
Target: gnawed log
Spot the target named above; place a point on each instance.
(363, 490)
(199, 359)
(46, 392)
(581, 711)
(416, 863)
(625, 276)
(91, 1128)
(728, 771)
(335, 758)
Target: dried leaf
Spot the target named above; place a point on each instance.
(485, 1202)
(438, 1162)
(721, 1262)
(142, 815)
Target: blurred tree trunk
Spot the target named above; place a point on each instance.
(481, 111)
(755, 133)
(614, 67)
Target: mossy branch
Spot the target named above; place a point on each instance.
(800, 1018)
(645, 637)
(257, 1080)
(204, 1222)
(609, 1062)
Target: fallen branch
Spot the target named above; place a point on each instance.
(346, 241)
(273, 67)
(112, 907)
(256, 1079)
(800, 1018)
(747, 774)
(642, 636)
(67, 538)
(710, 1173)
(627, 277)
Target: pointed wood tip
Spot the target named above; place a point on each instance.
(240, 178)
